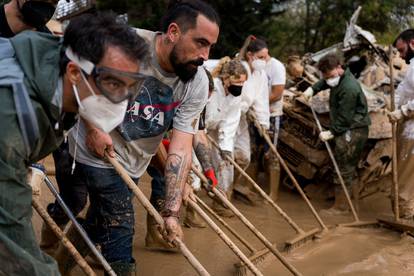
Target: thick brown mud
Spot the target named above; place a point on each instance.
(342, 251)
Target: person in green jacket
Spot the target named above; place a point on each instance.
(349, 121)
(93, 72)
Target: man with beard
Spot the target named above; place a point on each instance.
(404, 102)
(174, 92)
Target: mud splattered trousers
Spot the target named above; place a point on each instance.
(110, 218)
(347, 151)
(223, 168)
(19, 251)
(242, 151)
(405, 172)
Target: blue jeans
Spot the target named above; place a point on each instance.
(110, 217)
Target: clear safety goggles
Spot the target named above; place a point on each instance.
(116, 85)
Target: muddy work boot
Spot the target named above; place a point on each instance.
(123, 269)
(154, 239)
(273, 175)
(64, 259)
(192, 219)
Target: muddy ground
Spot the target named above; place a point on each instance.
(343, 251)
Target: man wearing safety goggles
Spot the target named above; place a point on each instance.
(174, 93)
(40, 86)
(19, 15)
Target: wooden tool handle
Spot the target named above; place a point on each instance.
(394, 141)
(151, 210)
(246, 222)
(260, 190)
(65, 241)
(224, 237)
(226, 225)
(286, 168)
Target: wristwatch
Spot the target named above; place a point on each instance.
(170, 213)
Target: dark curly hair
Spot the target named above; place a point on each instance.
(89, 35)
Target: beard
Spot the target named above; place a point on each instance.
(184, 70)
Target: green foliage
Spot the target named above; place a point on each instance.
(290, 27)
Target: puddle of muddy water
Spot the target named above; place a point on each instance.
(351, 251)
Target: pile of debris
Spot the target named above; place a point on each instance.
(299, 143)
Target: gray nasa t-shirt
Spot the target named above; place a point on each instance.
(164, 100)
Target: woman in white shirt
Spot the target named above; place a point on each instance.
(255, 97)
(222, 119)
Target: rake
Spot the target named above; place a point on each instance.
(264, 134)
(151, 210)
(247, 223)
(223, 236)
(302, 236)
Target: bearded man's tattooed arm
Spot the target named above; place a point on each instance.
(177, 168)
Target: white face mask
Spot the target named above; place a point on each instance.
(258, 64)
(332, 82)
(99, 110)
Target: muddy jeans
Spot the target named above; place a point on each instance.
(110, 217)
(347, 152)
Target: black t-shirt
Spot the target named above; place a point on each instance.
(5, 30)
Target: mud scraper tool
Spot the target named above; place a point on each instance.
(272, 248)
(302, 236)
(151, 210)
(194, 201)
(264, 134)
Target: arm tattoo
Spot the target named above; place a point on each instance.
(203, 154)
(175, 170)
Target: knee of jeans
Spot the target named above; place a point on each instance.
(120, 214)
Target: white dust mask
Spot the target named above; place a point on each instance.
(332, 82)
(100, 111)
(258, 64)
